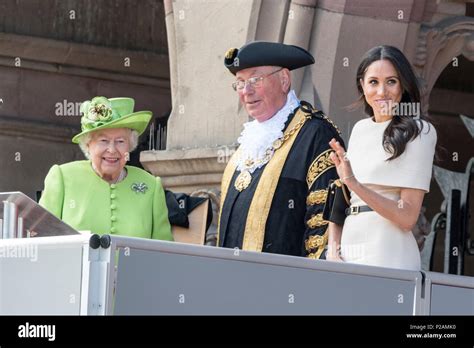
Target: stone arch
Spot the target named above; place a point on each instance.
(438, 45)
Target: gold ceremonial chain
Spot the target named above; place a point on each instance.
(244, 178)
(332, 124)
(309, 109)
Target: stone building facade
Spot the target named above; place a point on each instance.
(55, 54)
(206, 119)
(169, 55)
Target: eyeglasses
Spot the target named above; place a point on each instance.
(254, 82)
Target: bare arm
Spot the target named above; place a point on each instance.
(334, 242)
(403, 213)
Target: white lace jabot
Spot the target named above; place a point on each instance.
(257, 137)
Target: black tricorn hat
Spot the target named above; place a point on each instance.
(262, 53)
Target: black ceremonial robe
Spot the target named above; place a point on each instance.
(281, 210)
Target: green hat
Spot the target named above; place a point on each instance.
(102, 113)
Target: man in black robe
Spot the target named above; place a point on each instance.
(275, 185)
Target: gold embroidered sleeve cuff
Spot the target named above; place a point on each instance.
(316, 221)
(315, 245)
(321, 164)
(317, 197)
(314, 242)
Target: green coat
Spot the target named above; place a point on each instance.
(135, 207)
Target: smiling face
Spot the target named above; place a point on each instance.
(109, 151)
(382, 88)
(264, 101)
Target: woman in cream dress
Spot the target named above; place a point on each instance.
(387, 167)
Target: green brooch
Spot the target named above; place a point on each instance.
(140, 187)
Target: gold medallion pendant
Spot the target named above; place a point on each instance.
(242, 181)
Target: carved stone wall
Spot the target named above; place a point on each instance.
(206, 112)
(438, 45)
(55, 54)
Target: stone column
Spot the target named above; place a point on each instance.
(206, 119)
(300, 20)
(171, 36)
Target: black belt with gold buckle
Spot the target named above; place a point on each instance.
(356, 209)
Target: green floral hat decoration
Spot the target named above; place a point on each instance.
(102, 113)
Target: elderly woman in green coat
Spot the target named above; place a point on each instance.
(102, 194)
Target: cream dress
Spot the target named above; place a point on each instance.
(368, 238)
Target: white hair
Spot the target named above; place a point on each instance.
(86, 138)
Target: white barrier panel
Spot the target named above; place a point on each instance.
(81, 274)
(172, 278)
(41, 276)
(448, 294)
